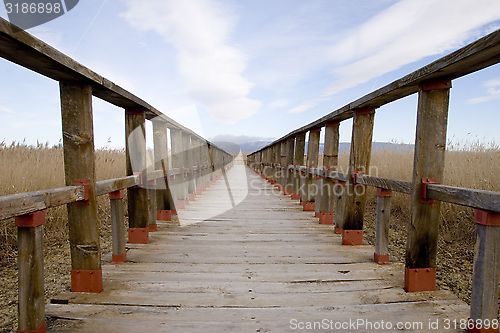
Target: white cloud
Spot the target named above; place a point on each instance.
(492, 90)
(404, 33)
(212, 69)
(278, 104)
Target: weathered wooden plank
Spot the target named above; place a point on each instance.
(18, 46)
(31, 306)
(388, 184)
(480, 54)
(29, 202)
(486, 200)
(111, 185)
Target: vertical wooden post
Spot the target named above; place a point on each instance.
(428, 166)
(308, 201)
(283, 171)
(330, 163)
(359, 161)
(484, 299)
(178, 178)
(119, 254)
(290, 148)
(137, 196)
(31, 306)
(298, 160)
(79, 168)
(163, 195)
(383, 215)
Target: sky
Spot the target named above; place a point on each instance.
(257, 68)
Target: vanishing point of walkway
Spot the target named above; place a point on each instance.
(249, 260)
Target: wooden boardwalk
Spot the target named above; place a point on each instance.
(262, 266)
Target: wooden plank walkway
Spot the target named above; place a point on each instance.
(262, 266)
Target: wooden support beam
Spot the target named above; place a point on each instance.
(119, 253)
(298, 160)
(290, 149)
(428, 165)
(79, 168)
(137, 197)
(177, 164)
(382, 218)
(359, 161)
(485, 279)
(31, 296)
(160, 142)
(330, 163)
(312, 162)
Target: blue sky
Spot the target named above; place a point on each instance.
(257, 68)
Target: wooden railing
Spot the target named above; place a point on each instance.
(154, 192)
(282, 162)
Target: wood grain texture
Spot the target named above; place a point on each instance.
(359, 161)
(251, 268)
(29, 202)
(79, 164)
(430, 148)
(138, 200)
(31, 306)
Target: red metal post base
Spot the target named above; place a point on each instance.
(381, 259)
(152, 228)
(138, 236)
(482, 330)
(420, 279)
(352, 237)
(339, 231)
(118, 259)
(326, 218)
(309, 206)
(295, 196)
(41, 329)
(86, 281)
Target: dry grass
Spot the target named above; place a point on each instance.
(473, 165)
(24, 168)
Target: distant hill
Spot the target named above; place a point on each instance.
(233, 144)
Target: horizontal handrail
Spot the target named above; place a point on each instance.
(22, 48)
(476, 56)
(468, 197)
(29, 202)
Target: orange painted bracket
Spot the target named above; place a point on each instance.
(86, 188)
(381, 259)
(352, 237)
(86, 281)
(477, 329)
(164, 215)
(152, 227)
(420, 279)
(309, 206)
(138, 236)
(31, 220)
(383, 193)
(326, 218)
(41, 329)
(487, 218)
(423, 191)
(116, 195)
(117, 259)
(435, 85)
